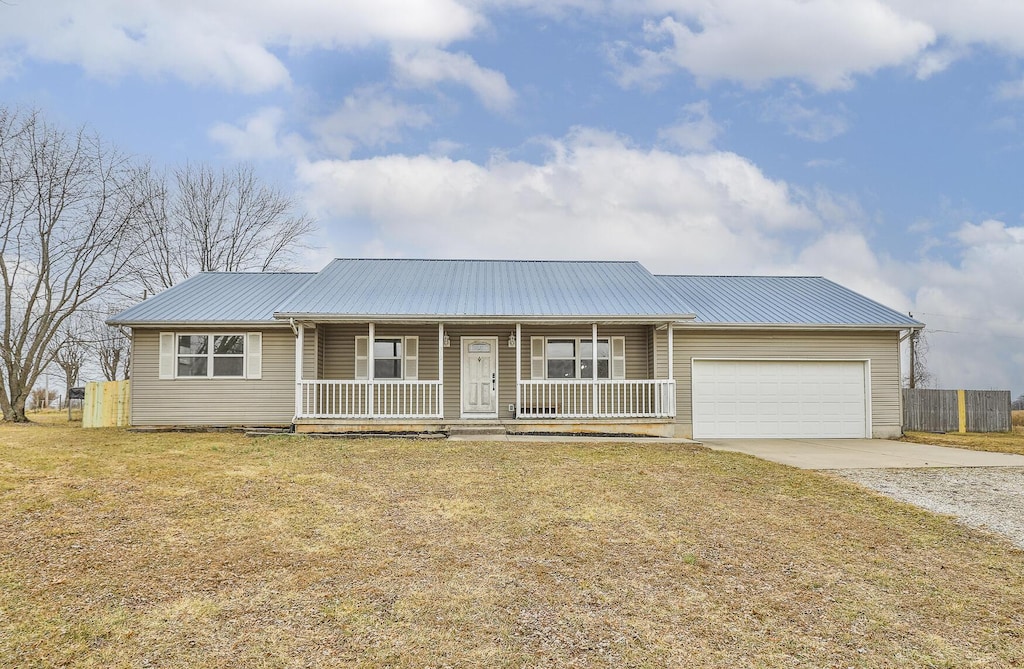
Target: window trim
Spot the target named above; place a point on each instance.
(409, 358)
(210, 355)
(538, 357)
(578, 357)
(400, 357)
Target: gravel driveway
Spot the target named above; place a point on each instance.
(988, 498)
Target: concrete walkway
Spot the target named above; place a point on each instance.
(862, 453)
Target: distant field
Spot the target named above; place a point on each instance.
(1017, 418)
(216, 550)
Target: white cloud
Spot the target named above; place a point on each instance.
(996, 23)
(228, 43)
(258, 137)
(974, 307)
(595, 196)
(1011, 90)
(934, 61)
(805, 122)
(428, 67)
(369, 117)
(696, 131)
(826, 43)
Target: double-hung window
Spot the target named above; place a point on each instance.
(394, 358)
(213, 355)
(604, 355)
(209, 356)
(573, 358)
(387, 359)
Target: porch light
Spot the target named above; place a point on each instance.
(447, 340)
(512, 339)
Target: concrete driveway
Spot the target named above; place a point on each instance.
(862, 453)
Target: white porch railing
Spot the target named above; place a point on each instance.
(577, 398)
(369, 399)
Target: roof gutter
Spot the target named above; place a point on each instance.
(198, 324)
(477, 319)
(800, 326)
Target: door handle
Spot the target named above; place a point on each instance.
(493, 380)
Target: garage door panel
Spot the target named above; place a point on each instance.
(748, 398)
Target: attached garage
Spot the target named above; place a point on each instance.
(781, 399)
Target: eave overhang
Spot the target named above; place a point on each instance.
(799, 326)
(485, 320)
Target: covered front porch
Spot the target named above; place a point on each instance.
(547, 377)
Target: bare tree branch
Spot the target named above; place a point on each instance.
(69, 204)
(208, 221)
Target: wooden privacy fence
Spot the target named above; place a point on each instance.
(956, 410)
(106, 404)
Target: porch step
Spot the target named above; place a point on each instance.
(477, 431)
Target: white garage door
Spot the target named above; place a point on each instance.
(778, 399)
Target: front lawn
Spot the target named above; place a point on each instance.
(216, 550)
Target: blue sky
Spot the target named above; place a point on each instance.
(876, 142)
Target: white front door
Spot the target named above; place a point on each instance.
(480, 376)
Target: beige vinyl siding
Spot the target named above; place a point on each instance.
(266, 401)
(660, 353)
(881, 348)
(636, 343)
(453, 367)
(309, 353)
(339, 348)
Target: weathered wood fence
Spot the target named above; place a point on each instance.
(956, 410)
(106, 404)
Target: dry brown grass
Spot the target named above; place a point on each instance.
(1001, 442)
(214, 550)
(1017, 418)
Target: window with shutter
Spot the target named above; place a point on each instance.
(254, 355)
(167, 358)
(618, 357)
(412, 358)
(362, 357)
(537, 358)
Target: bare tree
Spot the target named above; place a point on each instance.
(72, 348)
(68, 202)
(111, 345)
(919, 376)
(203, 220)
(41, 398)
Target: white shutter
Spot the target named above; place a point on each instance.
(618, 357)
(411, 366)
(537, 357)
(254, 355)
(167, 343)
(362, 357)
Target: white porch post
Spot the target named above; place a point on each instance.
(593, 370)
(671, 371)
(369, 373)
(519, 368)
(440, 369)
(299, 344)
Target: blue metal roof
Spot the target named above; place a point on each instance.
(216, 297)
(484, 288)
(781, 300)
(520, 289)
